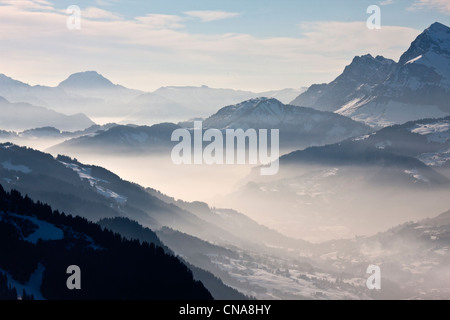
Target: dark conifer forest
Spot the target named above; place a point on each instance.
(111, 266)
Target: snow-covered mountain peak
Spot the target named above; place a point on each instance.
(256, 107)
(433, 40)
(353, 86)
(296, 124)
(438, 31)
(426, 63)
(380, 92)
(260, 102)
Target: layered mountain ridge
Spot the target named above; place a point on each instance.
(380, 92)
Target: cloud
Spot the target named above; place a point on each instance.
(97, 13)
(155, 50)
(442, 6)
(106, 2)
(28, 4)
(161, 21)
(341, 38)
(386, 2)
(207, 16)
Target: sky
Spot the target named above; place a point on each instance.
(254, 45)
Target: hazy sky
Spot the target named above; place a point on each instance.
(248, 44)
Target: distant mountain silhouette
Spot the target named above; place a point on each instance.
(22, 116)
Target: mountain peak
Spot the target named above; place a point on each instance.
(367, 69)
(356, 81)
(252, 104)
(380, 92)
(366, 57)
(255, 107)
(369, 59)
(86, 80)
(260, 103)
(435, 38)
(259, 100)
(439, 27)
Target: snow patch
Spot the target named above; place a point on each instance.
(413, 60)
(416, 175)
(364, 137)
(386, 114)
(352, 106)
(382, 145)
(45, 231)
(83, 173)
(86, 173)
(330, 173)
(33, 286)
(111, 194)
(436, 132)
(18, 168)
(437, 159)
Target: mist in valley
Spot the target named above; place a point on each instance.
(185, 182)
(351, 216)
(304, 202)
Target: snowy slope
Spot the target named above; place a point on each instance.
(427, 140)
(383, 114)
(85, 174)
(432, 50)
(43, 230)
